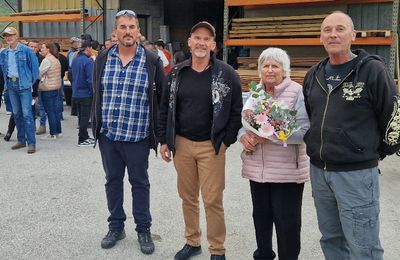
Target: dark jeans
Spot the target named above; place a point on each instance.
(279, 204)
(117, 156)
(49, 99)
(83, 106)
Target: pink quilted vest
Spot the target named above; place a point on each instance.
(273, 162)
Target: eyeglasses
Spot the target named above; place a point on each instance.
(126, 12)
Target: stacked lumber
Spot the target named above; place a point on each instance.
(248, 69)
(302, 62)
(64, 42)
(277, 27)
(304, 26)
(373, 33)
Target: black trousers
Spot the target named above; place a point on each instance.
(83, 106)
(279, 204)
(133, 157)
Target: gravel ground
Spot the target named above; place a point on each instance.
(52, 205)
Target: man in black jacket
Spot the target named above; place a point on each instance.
(353, 105)
(200, 115)
(127, 82)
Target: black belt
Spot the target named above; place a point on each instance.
(12, 78)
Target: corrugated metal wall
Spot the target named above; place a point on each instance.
(373, 17)
(68, 29)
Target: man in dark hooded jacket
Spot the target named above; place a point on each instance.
(353, 105)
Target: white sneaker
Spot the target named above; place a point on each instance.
(49, 137)
(87, 142)
(8, 113)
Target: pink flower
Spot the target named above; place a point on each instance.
(266, 129)
(261, 119)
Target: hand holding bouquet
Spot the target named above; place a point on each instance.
(267, 117)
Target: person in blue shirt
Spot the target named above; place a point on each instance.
(82, 93)
(20, 70)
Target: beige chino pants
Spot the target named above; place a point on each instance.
(200, 169)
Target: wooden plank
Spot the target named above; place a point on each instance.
(271, 2)
(302, 2)
(279, 18)
(279, 22)
(373, 33)
(303, 41)
(277, 26)
(47, 18)
(63, 11)
(251, 62)
(279, 30)
(276, 34)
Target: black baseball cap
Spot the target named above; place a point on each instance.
(203, 24)
(84, 45)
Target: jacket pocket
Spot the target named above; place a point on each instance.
(338, 147)
(350, 143)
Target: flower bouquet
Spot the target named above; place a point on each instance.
(267, 117)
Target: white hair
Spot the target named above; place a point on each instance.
(277, 55)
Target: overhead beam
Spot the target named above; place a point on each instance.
(48, 18)
(302, 2)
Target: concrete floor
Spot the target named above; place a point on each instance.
(52, 205)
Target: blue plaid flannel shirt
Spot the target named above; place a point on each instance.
(125, 110)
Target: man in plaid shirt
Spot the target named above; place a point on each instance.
(127, 82)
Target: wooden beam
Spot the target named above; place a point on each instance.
(249, 3)
(279, 18)
(47, 18)
(271, 2)
(63, 11)
(303, 41)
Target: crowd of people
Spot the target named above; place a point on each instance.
(192, 110)
(48, 88)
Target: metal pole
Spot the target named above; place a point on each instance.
(225, 35)
(82, 16)
(104, 20)
(19, 8)
(393, 47)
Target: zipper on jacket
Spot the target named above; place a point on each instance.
(323, 122)
(324, 115)
(152, 116)
(177, 82)
(297, 156)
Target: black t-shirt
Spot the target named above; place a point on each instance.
(334, 74)
(194, 109)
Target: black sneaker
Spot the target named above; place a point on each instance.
(187, 251)
(111, 238)
(146, 242)
(217, 257)
(7, 137)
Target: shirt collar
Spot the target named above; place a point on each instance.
(139, 51)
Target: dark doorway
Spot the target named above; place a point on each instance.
(181, 15)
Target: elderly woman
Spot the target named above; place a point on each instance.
(50, 83)
(277, 173)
